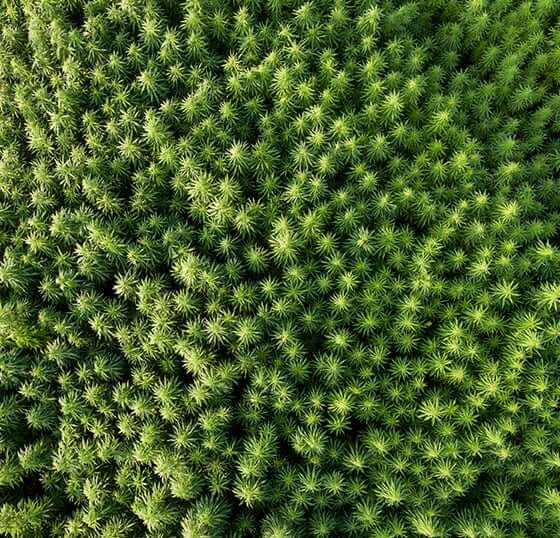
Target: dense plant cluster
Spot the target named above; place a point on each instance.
(278, 268)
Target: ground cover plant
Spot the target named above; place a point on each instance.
(278, 268)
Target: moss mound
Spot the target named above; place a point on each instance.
(279, 269)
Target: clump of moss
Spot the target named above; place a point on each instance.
(279, 268)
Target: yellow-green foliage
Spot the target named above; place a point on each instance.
(279, 269)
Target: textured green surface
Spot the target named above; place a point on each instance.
(279, 269)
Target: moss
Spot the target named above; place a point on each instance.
(278, 268)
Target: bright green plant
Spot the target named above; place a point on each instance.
(279, 268)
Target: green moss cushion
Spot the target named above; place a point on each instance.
(279, 269)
